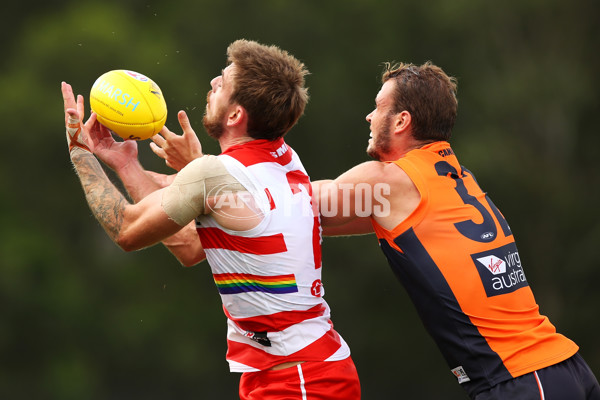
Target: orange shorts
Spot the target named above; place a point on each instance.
(324, 380)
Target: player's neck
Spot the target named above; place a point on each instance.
(400, 146)
(227, 141)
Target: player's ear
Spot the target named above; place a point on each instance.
(402, 121)
(237, 115)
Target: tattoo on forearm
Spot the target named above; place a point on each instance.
(105, 200)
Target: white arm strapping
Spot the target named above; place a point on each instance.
(185, 198)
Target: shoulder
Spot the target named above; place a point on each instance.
(363, 172)
(201, 168)
(206, 160)
(375, 172)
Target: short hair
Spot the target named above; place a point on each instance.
(428, 94)
(269, 84)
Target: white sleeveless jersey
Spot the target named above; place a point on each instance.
(269, 277)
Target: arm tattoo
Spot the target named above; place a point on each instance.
(105, 200)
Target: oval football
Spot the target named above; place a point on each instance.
(128, 103)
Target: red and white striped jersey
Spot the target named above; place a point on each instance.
(269, 277)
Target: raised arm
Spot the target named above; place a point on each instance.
(177, 150)
(185, 245)
(122, 157)
(131, 226)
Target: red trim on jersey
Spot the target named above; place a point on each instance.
(271, 202)
(319, 350)
(316, 239)
(215, 238)
(260, 151)
(296, 178)
(278, 321)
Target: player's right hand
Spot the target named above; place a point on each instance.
(116, 154)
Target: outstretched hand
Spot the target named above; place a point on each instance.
(93, 136)
(116, 154)
(77, 133)
(177, 150)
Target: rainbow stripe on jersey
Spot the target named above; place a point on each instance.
(241, 283)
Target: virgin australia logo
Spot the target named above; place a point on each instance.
(494, 264)
(500, 270)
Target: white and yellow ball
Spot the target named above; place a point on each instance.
(129, 104)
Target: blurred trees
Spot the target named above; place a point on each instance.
(81, 319)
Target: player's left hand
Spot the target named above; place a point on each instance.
(77, 133)
(177, 150)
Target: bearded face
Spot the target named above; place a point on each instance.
(214, 119)
(218, 101)
(380, 142)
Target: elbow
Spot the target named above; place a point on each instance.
(188, 263)
(193, 260)
(127, 244)
(189, 259)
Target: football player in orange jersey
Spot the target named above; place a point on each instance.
(450, 246)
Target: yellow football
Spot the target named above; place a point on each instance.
(129, 104)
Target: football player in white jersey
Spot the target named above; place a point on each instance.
(247, 210)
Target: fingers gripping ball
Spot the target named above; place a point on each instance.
(129, 104)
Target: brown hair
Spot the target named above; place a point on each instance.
(428, 94)
(269, 84)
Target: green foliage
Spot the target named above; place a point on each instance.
(82, 320)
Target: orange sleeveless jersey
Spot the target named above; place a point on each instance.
(457, 258)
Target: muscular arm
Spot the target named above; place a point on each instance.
(185, 245)
(104, 199)
(334, 207)
(355, 226)
(371, 191)
(139, 183)
(131, 226)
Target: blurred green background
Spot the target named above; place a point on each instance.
(80, 319)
